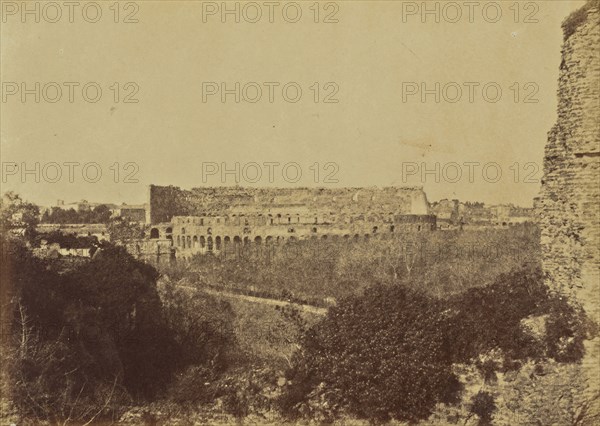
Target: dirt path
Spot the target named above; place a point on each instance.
(254, 299)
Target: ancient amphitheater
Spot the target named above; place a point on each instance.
(207, 219)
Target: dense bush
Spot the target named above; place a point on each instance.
(489, 317)
(388, 353)
(483, 405)
(378, 356)
(567, 327)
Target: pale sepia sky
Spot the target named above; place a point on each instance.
(369, 133)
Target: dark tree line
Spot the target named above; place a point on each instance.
(99, 214)
(85, 341)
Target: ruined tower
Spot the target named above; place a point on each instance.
(569, 202)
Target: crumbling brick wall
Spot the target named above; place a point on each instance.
(569, 202)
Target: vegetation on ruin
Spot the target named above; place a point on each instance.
(315, 271)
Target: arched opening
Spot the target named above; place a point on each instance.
(202, 242)
(183, 230)
(226, 240)
(195, 241)
(237, 240)
(178, 241)
(209, 231)
(269, 239)
(293, 239)
(169, 230)
(154, 233)
(218, 243)
(209, 243)
(258, 240)
(367, 236)
(189, 242)
(375, 228)
(324, 237)
(346, 237)
(246, 240)
(314, 229)
(392, 228)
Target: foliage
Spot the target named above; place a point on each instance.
(402, 375)
(483, 405)
(201, 326)
(577, 18)
(441, 264)
(489, 317)
(120, 229)
(414, 339)
(65, 240)
(567, 327)
(99, 214)
(17, 214)
(88, 339)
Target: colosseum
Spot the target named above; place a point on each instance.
(204, 220)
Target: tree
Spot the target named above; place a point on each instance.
(122, 230)
(100, 214)
(18, 215)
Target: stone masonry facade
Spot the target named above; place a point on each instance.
(569, 202)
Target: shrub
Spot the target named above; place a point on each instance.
(378, 356)
(490, 317)
(566, 327)
(483, 405)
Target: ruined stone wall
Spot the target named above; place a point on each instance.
(568, 206)
(569, 201)
(167, 202)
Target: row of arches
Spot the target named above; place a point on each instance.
(217, 243)
(283, 218)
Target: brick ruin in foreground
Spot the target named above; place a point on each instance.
(568, 206)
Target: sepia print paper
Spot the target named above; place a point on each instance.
(301, 212)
